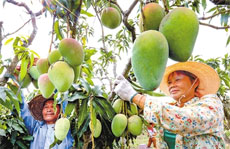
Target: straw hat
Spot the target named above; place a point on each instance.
(209, 79)
(36, 106)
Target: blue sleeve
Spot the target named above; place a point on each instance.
(28, 119)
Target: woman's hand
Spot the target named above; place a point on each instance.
(124, 89)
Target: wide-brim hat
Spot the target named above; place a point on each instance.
(209, 81)
(36, 106)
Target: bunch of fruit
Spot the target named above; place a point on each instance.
(126, 120)
(162, 37)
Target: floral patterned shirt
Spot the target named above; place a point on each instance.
(199, 124)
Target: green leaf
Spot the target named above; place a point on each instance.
(17, 127)
(23, 69)
(14, 99)
(83, 112)
(7, 104)
(83, 12)
(85, 85)
(76, 96)
(204, 4)
(228, 41)
(2, 132)
(1, 70)
(84, 126)
(57, 30)
(8, 41)
(20, 144)
(107, 106)
(69, 108)
(2, 93)
(27, 138)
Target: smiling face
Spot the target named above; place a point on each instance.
(179, 84)
(48, 112)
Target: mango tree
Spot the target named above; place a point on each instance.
(84, 75)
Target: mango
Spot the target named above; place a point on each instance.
(77, 72)
(72, 51)
(54, 56)
(133, 109)
(42, 65)
(110, 17)
(117, 105)
(34, 73)
(61, 75)
(35, 83)
(45, 85)
(135, 125)
(149, 58)
(119, 123)
(97, 128)
(151, 18)
(26, 81)
(180, 27)
(62, 126)
(114, 6)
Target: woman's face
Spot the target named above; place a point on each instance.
(179, 85)
(48, 113)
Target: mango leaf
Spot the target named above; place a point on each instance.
(7, 104)
(28, 138)
(20, 144)
(1, 70)
(86, 13)
(23, 69)
(69, 108)
(13, 137)
(17, 127)
(8, 41)
(100, 109)
(84, 126)
(2, 93)
(77, 96)
(83, 112)
(85, 85)
(31, 60)
(204, 4)
(35, 53)
(228, 41)
(107, 106)
(2, 132)
(14, 99)
(57, 30)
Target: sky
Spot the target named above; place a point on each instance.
(210, 42)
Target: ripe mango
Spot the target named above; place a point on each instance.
(34, 73)
(117, 105)
(149, 58)
(135, 125)
(54, 56)
(114, 6)
(153, 13)
(61, 75)
(119, 124)
(62, 126)
(45, 86)
(72, 51)
(97, 128)
(180, 27)
(111, 17)
(42, 65)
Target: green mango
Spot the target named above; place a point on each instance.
(26, 81)
(180, 27)
(61, 75)
(119, 123)
(62, 126)
(34, 73)
(97, 128)
(42, 65)
(77, 72)
(54, 56)
(117, 105)
(135, 125)
(133, 109)
(149, 58)
(153, 13)
(72, 51)
(111, 17)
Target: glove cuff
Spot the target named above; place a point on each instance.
(131, 99)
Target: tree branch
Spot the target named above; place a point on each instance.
(212, 16)
(1, 38)
(11, 67)
(215, 27)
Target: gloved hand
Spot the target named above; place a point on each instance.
(124, 89)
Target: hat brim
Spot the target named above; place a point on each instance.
(36, 106)
(209, 81)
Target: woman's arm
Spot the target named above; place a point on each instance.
(26, 116)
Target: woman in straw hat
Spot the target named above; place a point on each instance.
(195, 119)
(39, 117)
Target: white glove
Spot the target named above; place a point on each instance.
(124, 89)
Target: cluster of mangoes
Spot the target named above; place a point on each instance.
(122, 123)
(62, 67)
(162, 37)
